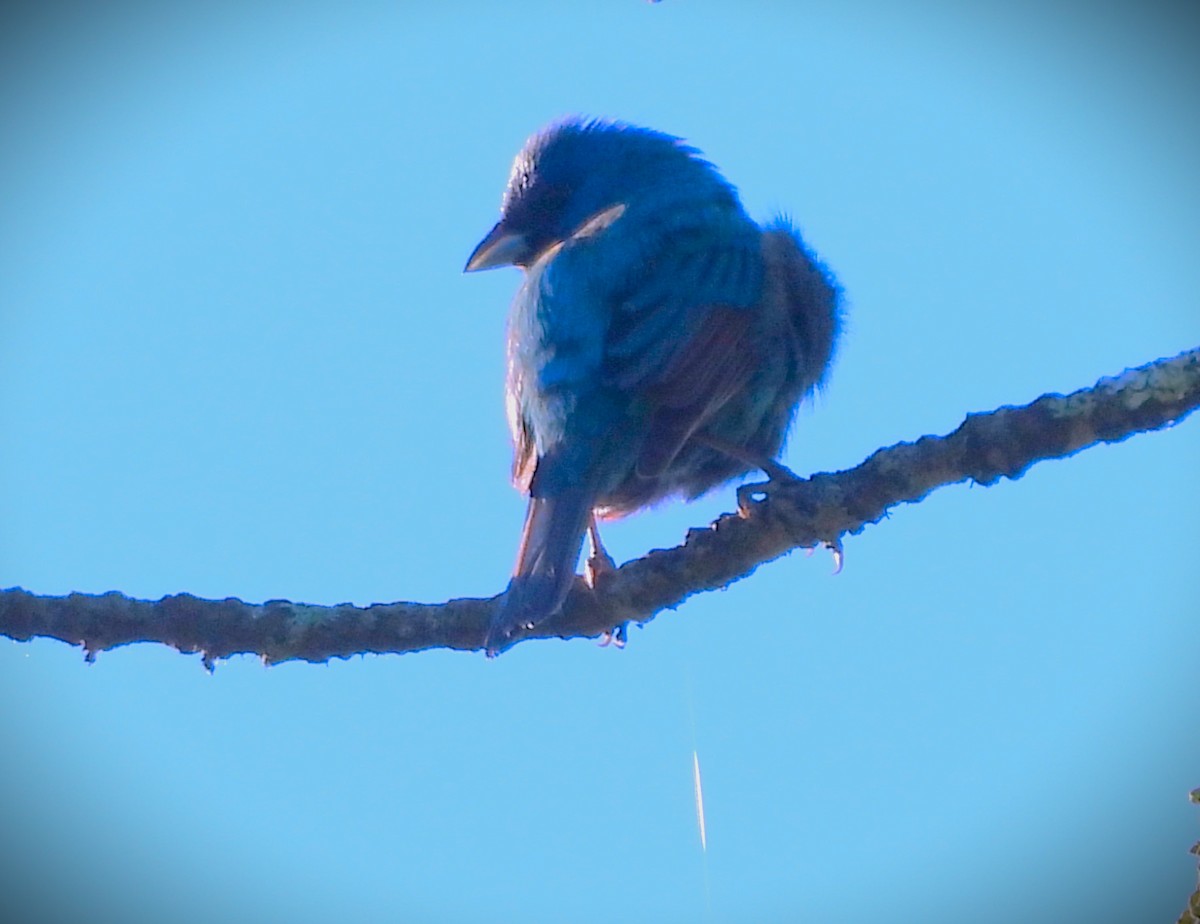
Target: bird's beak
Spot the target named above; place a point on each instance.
(500, 247)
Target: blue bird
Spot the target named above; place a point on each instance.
(658, 346)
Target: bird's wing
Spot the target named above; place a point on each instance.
(682, 339)
(555, 349)
(524, 459)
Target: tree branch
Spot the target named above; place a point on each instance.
(1191, 914)
(773, 519)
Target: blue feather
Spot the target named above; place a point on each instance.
(654, 321)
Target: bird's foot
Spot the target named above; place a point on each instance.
(616, 637)
(749, 494)
(756, 492)
(839, 554)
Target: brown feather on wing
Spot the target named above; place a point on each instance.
(711, 366)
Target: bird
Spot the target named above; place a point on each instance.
(658, 345)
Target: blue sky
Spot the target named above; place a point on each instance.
(239, 358)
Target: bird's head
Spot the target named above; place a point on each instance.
(577, 177)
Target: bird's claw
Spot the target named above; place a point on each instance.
(748, 495)
(839, 557)
(755, 493)
(839, 554)
(617, 637)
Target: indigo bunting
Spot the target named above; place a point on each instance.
(658, 346)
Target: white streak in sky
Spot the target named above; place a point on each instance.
(699, 799)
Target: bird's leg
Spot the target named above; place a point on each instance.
(599, 563)
(775, 471)
(747, 494)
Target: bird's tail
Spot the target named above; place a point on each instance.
(545, 569)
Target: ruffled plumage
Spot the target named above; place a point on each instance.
(655, 319)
